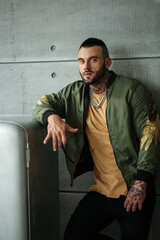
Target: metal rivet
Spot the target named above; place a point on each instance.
(53, 48)
(53, 75)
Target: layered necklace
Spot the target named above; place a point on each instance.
(92, 100)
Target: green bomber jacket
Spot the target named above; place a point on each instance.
(131, 118)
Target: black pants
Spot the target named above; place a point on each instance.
(95, 211)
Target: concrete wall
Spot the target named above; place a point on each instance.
(38, 48)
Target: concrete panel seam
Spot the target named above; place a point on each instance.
(73, 60)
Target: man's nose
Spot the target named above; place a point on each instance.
(87, 65)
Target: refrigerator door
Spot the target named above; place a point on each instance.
(29, 199)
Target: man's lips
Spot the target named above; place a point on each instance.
(87, 73)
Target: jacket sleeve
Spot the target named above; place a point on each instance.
(147, 128)
(48, 105)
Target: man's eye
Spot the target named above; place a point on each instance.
(94, 60)
(81, 61)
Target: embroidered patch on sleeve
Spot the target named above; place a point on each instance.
(43, 99)
(152, 129)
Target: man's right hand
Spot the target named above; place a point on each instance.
(57, 131)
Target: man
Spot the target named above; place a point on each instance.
(111, 127)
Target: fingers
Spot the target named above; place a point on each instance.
(140, 205)
(136, 196)
(132, 205)
(64, 139)
(127, 205)
(58, 139)
(70, 129)
(47, 138)
(57, 132)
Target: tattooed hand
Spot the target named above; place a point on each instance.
(136, 196)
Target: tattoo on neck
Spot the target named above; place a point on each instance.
(102, 85)
(97, 88)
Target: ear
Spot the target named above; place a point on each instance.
(108, 62)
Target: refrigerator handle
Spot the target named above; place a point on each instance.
(28, 189)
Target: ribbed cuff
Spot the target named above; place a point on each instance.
(144, 176)
(46, 115)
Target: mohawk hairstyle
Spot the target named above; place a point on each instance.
(91, 42)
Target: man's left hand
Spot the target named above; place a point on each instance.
(136, 196)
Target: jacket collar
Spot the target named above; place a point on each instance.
(111, 79)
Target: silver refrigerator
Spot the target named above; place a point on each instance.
(29, 197)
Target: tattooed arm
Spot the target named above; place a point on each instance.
(136, 196)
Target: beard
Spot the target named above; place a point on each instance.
(97, 78)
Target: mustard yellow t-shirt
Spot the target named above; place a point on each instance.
(108, 178)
